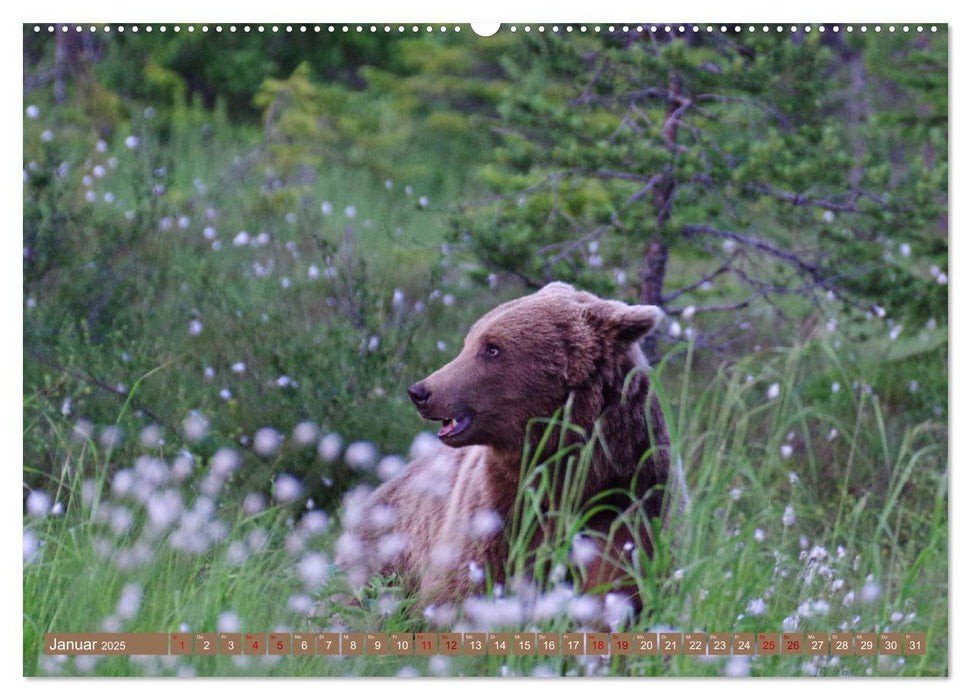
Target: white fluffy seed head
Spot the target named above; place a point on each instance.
(196, 426)
(485, 523)
(329, 447)
(424, 445)
(305, 433)
(254, 503)
(313, 569)
(150, 436)
(391, 546)
(584, 551)
(389, 467)
(287, 488)
(38, 504)
(361, 455)
(315, 522)
(129, 602)
(224, 462)
(266, 442)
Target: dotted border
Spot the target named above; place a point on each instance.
(428, 28)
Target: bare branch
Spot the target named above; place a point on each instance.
(764, 246)
(802, 200)
(768, 109)
(725, 267)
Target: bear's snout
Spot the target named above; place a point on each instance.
(419, 394)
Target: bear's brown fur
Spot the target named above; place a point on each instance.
(445, 519)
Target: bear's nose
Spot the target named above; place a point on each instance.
(419, 394)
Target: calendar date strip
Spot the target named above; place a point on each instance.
(489, 644)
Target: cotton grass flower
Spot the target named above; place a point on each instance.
(584, 551)
(227, 622)
(38, 504)
(773, 392)
(361, 455)
(389, 467)
(870, 590)
(305, 433)
(329, 447)
(756, 607)
(266, 442)
(129, 602)
(315, 522)
(225, 462)
(738, 666)
(423, 445)
(196, 426)
(785, 451)
(485, 523)
(287, 488)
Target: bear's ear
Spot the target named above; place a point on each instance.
(628, 323)
(557, 288)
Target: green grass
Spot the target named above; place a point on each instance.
(866, 553)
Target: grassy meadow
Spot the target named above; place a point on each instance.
(214, 358)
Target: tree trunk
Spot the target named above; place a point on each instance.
(656, 253)
(652, 284)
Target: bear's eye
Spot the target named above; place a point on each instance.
(491, 351)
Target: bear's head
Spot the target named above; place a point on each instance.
(523, 359)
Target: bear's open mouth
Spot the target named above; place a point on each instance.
(453, 426)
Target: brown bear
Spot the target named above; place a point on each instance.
(444, 523)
